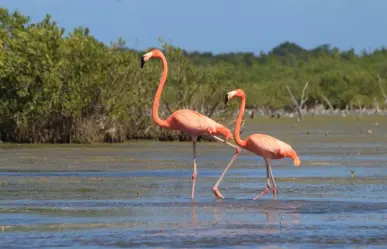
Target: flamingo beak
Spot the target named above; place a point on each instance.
(145, 58)
(229, 96)
(142, 62)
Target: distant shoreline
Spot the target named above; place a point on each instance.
(282, 112)
(176, 136)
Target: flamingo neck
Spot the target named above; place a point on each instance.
(238, 123)
(155, 109)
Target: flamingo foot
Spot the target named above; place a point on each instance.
(217, 193)
(267, 189)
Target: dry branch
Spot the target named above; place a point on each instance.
(376, 105)
(382, 89)
(327, 101)
(304, 95)
(360, 108)
(304, 98)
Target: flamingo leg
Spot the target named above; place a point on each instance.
(267, 189)
(238, 151)
(194, 170)
(275, 189)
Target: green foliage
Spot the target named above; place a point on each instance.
(57, 87)
(73, 88)
(342, 76)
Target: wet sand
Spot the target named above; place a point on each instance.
(137, 194)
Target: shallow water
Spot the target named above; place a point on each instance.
(137, 195)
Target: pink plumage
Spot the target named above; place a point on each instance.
(262, 145)
(196, 124)
(192, 122)
(269, 147)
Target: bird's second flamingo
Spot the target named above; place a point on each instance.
(263, 145)
(189, 121)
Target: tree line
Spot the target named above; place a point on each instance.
(71, 88)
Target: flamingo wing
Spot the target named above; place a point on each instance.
(191, 122)
(267, 146)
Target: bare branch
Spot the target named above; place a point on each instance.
(376, 105)
(304, 95)
(382, 89)
(327, 101)
(360, 108)
(292, 96)
(295, 102)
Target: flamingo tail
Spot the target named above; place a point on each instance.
(224, 132)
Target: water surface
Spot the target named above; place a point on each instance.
(137, 194)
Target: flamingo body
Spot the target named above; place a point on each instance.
(196, 124)
(269, 147)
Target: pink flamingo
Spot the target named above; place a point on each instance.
(192, 122)
(263, 145)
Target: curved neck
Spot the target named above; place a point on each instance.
(238, 123)
(155, 109)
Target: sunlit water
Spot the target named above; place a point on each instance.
(137, 195)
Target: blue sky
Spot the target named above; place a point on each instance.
(220, 25)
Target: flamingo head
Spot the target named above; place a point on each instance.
(152, 54)
(230, 95)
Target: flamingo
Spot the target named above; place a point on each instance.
(262, 145)
(192, 122)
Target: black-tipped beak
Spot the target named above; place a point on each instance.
(142, 62)
(226, 99)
